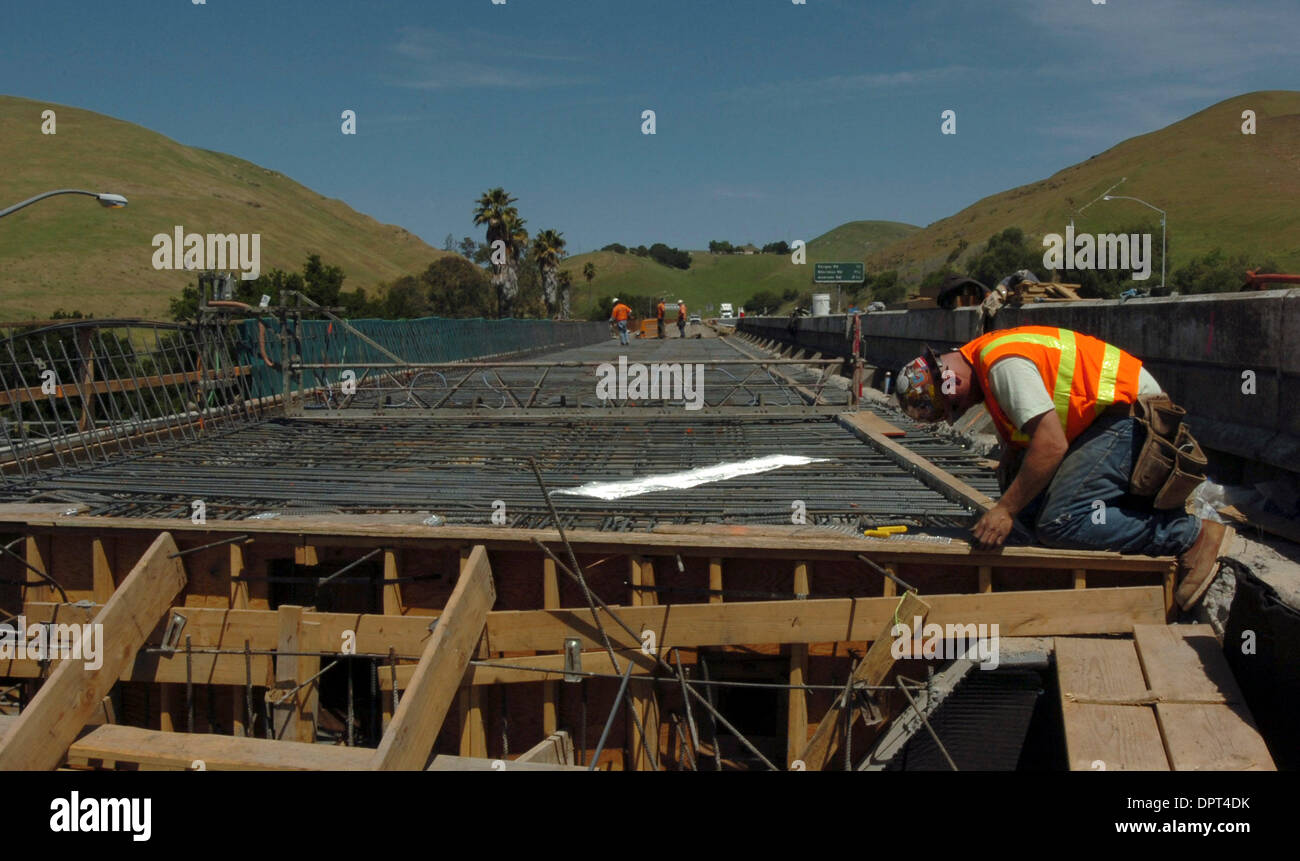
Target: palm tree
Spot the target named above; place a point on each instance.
(566, 281)
(589, 272)
(495, 210)
(548, 249)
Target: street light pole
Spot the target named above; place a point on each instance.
(1162, 229)
(112, 201)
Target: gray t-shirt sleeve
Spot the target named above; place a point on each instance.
(1019, 390)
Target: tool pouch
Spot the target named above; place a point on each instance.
(1188, 471)
(1170, 463)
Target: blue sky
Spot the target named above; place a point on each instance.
(775, 120)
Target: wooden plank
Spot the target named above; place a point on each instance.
(869, 421)
(1200, 709)
(286, 717)
(1095, 676)
(934, 477)
(792, 543)
(871, 670)
(797, 700)
(556, 749)
(410, 737)
(469, 705)
(1185, 662)
(1039, 613)
(60, 709)
(34, 394)
(986, 579)
(1212, 738)
(115, 746)
(1080, 578)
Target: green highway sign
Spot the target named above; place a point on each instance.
(838, 273)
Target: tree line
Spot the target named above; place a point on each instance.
(510, 274)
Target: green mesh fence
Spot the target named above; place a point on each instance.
(426, 340)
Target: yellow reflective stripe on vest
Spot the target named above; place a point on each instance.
(1064, 368)
(1109, 378)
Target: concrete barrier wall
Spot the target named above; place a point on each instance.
(1205, 350)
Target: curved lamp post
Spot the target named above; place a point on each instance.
(112, 201)
(1162, 229)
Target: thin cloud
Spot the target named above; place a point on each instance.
(835, 86)
(435, 60)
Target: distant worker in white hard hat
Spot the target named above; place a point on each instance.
(681, 318)
(1094, 455)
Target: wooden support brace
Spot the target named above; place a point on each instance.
(40, 738)
(871, 670)
(410, 737)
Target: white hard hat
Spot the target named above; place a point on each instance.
(615, 298)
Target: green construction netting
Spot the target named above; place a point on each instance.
(428, 339)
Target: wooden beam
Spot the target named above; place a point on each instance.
(937, 479)
(469, 704)
(531, 668)
(1037, 613)
(550, 690)
(115, 746)
(641, 699)
(410, 737)
(986, 579)
(392, 588)
(103, 554)
(797, 702)
(871, 670)
(34, 394)
(61, 708)
(238, 588)
(715, 579)
(728, 541)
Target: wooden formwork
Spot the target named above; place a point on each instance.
(794, 605)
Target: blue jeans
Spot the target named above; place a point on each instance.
(622, 331)
(1087, 505)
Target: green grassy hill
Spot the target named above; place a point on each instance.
(70, 253)
(717, 278)
(1220, 188)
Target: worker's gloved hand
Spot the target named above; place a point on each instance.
(994, 527)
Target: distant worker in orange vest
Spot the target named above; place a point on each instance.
(660, 311)
(619, 316)
(681, 318)
(1105, 462)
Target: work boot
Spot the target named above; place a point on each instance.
(1199, 563)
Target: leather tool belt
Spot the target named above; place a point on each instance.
(1171, 463)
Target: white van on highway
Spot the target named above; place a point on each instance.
(725, 311)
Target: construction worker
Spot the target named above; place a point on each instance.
(1062, 404)
(660, 311)
(619, 317)
(681, 318)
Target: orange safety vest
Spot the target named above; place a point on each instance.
(661, 310)
(621, 312)
(681, 310)
(1085, 375)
